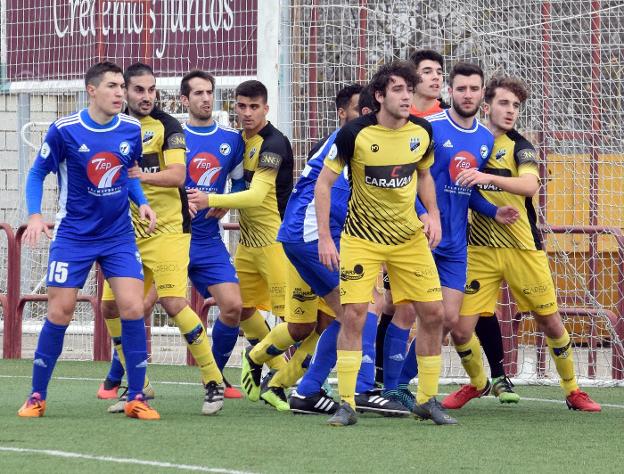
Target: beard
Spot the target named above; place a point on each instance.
(466, 113)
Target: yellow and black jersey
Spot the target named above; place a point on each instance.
(163, 145)
(512, 156)
(268, 156)
(382, 175)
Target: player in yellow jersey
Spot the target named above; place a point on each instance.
(165, 253)
(260, 260)
(512, 253)
(389, 160)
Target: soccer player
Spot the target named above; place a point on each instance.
(513, 253)
(91, 151)
(460, 142)
(259, 261)
(214, 156)
(309, 279)
(388, 158)
(165, 254)
(426, 101)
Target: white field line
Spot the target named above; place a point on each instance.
(141, 462)
(165, 382)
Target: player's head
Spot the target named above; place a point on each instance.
(503, 97)
(366, 102)
(429, 65)
(251, 105)
(466, 88)
(347, 103)
(105, 85)
(140, 89)
(197, 94)
(392, 87)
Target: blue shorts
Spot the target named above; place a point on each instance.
(304, 257)
(69, 262)
(452, 271)
(211, 264)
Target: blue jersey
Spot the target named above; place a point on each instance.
(91, 162)
(455, 149)
(214, 154)
(299, 223)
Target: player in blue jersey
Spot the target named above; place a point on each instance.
(309, 278)
(91, 152)
(214, 156)
(460, 142)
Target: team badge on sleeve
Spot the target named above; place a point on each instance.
(269, 160)
(484, 152)
(45, 150)
(333, 152)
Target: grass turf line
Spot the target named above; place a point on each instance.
(252, 437)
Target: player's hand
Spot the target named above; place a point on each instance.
(192, 209)
(135, 172)
(34, 229)
(147, 214)
(472, 177)
(506, 215)
(199, 199)
(216, 212)
(433, 229)
(328, 254)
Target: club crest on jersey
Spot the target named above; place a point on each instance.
(225, 149)
(148, 135)
(45, 150)
(103, 170)
(414, 143)
(500, 154)
(464, 160)
(333, 152)
(252, 152)
(204, 169)
(124, 148)
(484, 152)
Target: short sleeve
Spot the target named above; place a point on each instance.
(51, 153)
(526, 158)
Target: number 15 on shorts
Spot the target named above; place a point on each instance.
(58, 272)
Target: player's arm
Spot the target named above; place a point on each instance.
(47, 161)
(328, 254)
(136, 195)
(502, 214)
(427, 195)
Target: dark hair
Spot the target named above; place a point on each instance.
(382, 77)
(345, 94)
(95, 73)
(367, 100)
(423, 54)
(137, 69)
(185, 88)
(252, 89)
(512, 84)
(465, 69)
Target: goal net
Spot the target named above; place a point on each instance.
(569, 53)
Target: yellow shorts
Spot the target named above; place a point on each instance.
(165, 263)
(302, 304)
(410, 266)
(262, 274)
(526, 272)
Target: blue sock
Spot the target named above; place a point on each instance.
(366, 375)
(135, 351)
(322, 362)
(395, 347)
(49, 348)
(224, 339)
(410, 366)
(116, 371)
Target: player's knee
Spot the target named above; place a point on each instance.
(60, 314)
(299, 331)
(230, 313)
(173, 304)
(432, 315)
(109, 309)
(461, 335)
(550, 325)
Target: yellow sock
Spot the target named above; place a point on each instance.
(114, 331)
(429, 368)
(274, 344)
(563, 356)
(277, 363)
(255, 328)
(288, 376)
(194, 332)
(347, 368)
(470, 354)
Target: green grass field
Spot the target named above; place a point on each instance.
(540, 434)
